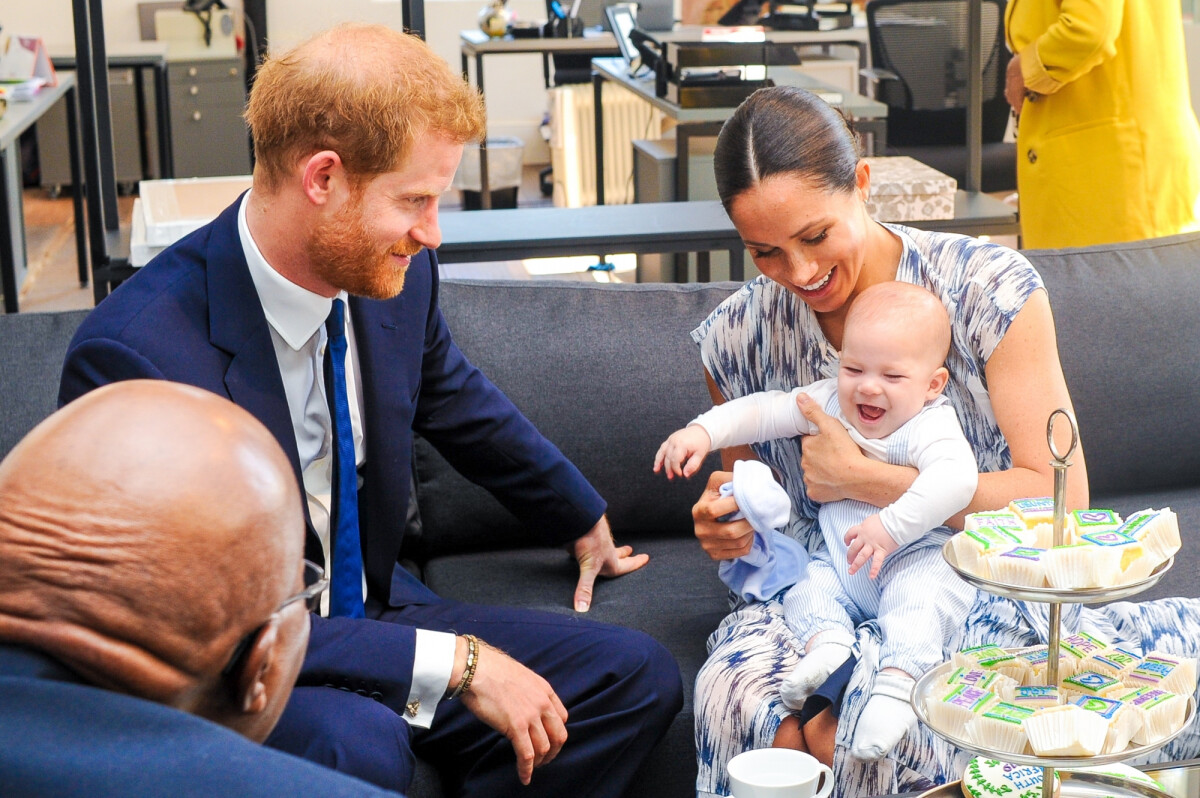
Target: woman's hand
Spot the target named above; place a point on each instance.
(721, 540)
(829, 457)
(1014, 84)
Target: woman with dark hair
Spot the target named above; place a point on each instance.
(789, 175)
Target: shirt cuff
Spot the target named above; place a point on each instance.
(1034, 72)
(432, 665)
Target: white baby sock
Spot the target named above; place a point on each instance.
(887, 717)
(832, 649)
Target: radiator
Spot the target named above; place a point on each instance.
(573, 143)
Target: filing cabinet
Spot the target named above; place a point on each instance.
(208, 135)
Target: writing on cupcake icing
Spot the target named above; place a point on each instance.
(986, 777)
(1008, 713)
(1032, 506)
(1117, 658)
(988, 656)
(970, 698)
(991, 537)
(975, 678)
(1147, 697)
(1136, 525)
(1153, 669)
(1035, 694)
(1081, 645)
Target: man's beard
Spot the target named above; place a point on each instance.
(344, 256)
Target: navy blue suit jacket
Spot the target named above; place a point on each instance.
(60, 736)
(192, 315)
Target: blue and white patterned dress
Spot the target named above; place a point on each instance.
(765, 338)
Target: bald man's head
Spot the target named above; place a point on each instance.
(144, 530)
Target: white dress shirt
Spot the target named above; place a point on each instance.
(296, 317)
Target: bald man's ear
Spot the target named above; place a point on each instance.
(250, 683)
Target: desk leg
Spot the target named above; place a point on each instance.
(77, 189)
(162, 119)
(703, 267)
(139, 102)
(598, 126)
(737, 263)
(682, 137)
(485, 187)
(10, 238)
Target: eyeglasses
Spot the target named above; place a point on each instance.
(316, 582)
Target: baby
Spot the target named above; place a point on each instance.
(888, 394)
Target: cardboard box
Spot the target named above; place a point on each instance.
(173, 208)
(905, 190)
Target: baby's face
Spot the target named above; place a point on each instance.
(886, 376)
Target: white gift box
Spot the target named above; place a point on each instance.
(905, 190)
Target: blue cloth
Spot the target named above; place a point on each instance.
(345, 587)
(775, 561)
(62, 736)
(192, 315)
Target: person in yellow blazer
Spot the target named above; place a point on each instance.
(1108, 148)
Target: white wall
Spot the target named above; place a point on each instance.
(516, 100)
(53, 21)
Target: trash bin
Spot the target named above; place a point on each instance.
(504, 173)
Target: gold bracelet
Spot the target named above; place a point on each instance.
(464, 684)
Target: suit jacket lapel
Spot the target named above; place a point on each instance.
(238, 326)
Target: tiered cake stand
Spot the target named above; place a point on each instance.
(1073, 784)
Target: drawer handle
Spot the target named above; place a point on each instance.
(233, 72)
(191, 72)
(193, 90)
(195, 116)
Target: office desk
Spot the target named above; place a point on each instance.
(19, 118)
(138, 56)
(649, 227)
(653, 227)
(870, 116)
(476, 44)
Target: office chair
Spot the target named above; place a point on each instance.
(919, 58)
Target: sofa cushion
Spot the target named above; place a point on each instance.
(31, 361)
(1128, 320)
(606, 372)
(676, 598)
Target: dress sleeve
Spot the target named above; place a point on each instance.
(997, 283)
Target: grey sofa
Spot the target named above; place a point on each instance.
(606, 371)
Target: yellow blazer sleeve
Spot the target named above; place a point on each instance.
(1083, 36)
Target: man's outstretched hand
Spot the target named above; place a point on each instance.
(598, 555)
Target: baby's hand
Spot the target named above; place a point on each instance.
(868, 541)
(683, 452)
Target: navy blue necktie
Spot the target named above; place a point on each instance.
(345, 590)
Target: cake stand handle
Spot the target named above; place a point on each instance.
(1060, 463)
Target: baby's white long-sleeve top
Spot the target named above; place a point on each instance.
(933, 438)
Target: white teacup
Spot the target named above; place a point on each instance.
(778, 773)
